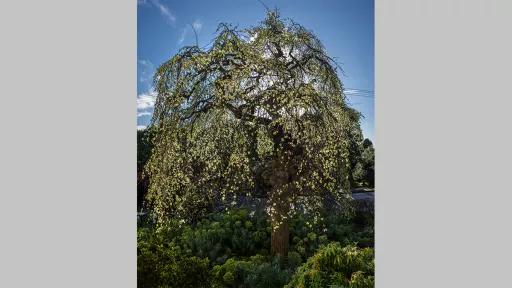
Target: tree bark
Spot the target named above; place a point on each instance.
(280, 239)
(280, 175)
(280, 207)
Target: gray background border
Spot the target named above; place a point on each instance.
(67, 157)
(443, 143)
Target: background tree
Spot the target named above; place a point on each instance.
(364, 172)
(354, 150)
(263, 110)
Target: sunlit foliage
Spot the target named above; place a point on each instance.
(259, 110)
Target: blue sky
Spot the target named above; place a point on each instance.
(345, 27)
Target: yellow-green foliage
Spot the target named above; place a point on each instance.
(336, 266)
(224, 235)
(262, 106)
(256, 272)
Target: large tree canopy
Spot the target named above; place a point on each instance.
(261, 110)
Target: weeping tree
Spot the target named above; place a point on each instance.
(258, 111)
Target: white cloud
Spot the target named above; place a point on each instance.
(350, 91)
(165, 11)
(146, 100)
(197, 25)
(144, 113)
(141, 127)
(145, 62)
(162, 8)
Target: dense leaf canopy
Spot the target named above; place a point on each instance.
(260, 110)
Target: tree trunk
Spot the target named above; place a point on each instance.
(280, 238)
(279, 176)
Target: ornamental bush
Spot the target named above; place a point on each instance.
(232, 249)
(336, 266)
(307, 237)
(163, 264)
(224, 235)
(255, 272)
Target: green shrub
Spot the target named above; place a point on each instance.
(268, 274)
(255, 272)
(218, 250)
(358, 229)
(223, 235)
(307, 240)
(162, 264)
(336, 266)
(232, 273)
(294, 260)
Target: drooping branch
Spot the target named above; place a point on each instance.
(261, 101)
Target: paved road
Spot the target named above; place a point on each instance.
(365, 196)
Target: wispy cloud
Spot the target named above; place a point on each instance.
(358, 92)
(350, 91)
(146, 70)
(197, 25)
(145, 62)
(165, 11)
(144, 113)
(182, 36)
(146, 100)
(146, 104)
